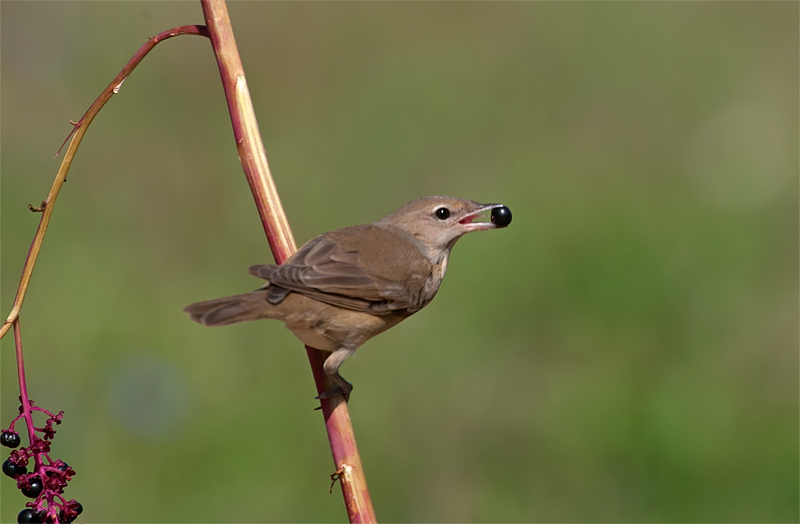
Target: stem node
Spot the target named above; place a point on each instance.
(39, 209)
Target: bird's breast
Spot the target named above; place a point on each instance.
(326, 327)
(433, 282)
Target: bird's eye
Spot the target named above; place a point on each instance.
(442, 213)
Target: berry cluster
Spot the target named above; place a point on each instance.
(48, 478)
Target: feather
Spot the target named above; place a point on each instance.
(331, 268)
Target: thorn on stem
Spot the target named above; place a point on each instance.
(118, 86)
(75, 126)
(38, 209)
(336, 475)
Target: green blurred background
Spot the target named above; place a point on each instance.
(627, 351)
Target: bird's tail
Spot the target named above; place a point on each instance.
(232, 310)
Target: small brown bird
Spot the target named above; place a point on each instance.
(344, 287)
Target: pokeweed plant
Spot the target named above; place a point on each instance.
(47, 478)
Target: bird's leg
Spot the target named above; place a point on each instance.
(331, 368)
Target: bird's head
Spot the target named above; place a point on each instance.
(439, 221)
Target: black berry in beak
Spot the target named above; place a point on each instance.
(501, 216)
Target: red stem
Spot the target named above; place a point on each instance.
(23, 385)
(279, 235)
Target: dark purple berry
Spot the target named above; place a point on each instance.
(9, 439)
(11, 469)
(28, 515)
(35, 487)
(501, 216)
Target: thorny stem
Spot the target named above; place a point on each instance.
(281, 241)
(79, 130)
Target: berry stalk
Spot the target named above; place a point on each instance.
(23, 386)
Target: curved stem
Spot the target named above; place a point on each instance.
(77, 135)
(349, 470)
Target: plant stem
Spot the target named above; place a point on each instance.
(77, 135)
(23, 386)
(349, 470)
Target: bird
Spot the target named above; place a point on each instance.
(346, 286)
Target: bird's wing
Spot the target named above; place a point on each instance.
(363, 268)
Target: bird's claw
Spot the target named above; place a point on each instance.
(335, 391)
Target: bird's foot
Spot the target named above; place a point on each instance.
(331, 366)
(335, 391)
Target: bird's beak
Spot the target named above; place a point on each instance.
(482, 213)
